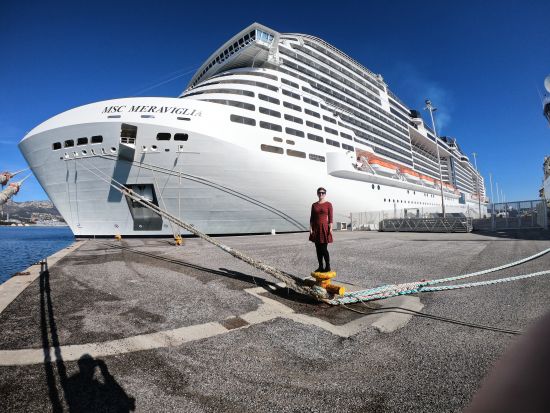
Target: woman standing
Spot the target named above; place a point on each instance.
(320, 229)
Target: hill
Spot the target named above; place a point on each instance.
(31, 211)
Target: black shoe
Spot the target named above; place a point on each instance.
(318, 270)
(327, 269)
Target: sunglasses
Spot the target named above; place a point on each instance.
(321, 193)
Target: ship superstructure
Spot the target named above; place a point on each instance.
(265, 120)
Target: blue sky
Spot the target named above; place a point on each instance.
(482, 63)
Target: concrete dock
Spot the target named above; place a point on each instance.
(143, 325)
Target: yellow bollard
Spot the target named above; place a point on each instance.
(118, 237)
(178, 240)
(323, 280)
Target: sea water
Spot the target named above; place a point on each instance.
(20, 247)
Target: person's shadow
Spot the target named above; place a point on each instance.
(93, 389)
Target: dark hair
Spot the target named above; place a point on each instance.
(321, 189)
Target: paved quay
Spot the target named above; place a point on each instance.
(144, 325)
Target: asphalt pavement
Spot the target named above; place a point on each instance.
(144, 325)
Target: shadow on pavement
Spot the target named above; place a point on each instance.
(523, 234)
(92, 388)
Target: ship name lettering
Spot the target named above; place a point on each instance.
(152, 109)
(113, 109)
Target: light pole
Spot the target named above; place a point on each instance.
(477, 183)
(492, 196)
(432, 110)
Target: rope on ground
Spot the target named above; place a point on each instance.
(433, 317)
(393, 290)
(268, 269)
(295, 283)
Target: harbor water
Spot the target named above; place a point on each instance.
(23, 246)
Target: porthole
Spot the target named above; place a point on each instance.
(181, 136)
(379, 187)
(113, 149)
(384, 199)
(84, 152)
(372, 186)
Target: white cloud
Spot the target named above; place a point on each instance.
(414, 87)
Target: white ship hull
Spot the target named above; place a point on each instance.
(218, 180)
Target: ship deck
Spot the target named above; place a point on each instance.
(144, 324)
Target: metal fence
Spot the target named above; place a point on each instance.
(435, 224)
(371, 221)
(515, 215)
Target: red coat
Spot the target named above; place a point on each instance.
(321, 217)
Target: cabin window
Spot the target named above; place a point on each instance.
(291, 94)
(97, 139)
(272, 149)
(294, 119)
(82, 141)
(292, 106)
(315, 137)
(243, 120)
(69, 143)
(298, 154)
(317, 158)
(56, 146)
(270, 112)
(289, 83)
(181, 137)
(312, 113)
(330, 130)
(269, 99)
(313, 125)
(294, 132)
(272, 126)
(163, 136)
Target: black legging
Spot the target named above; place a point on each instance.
(322, 252)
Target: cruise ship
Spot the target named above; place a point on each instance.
(266, 120)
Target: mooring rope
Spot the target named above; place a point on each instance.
(268, 269)
(393, 290)
(295, 283)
